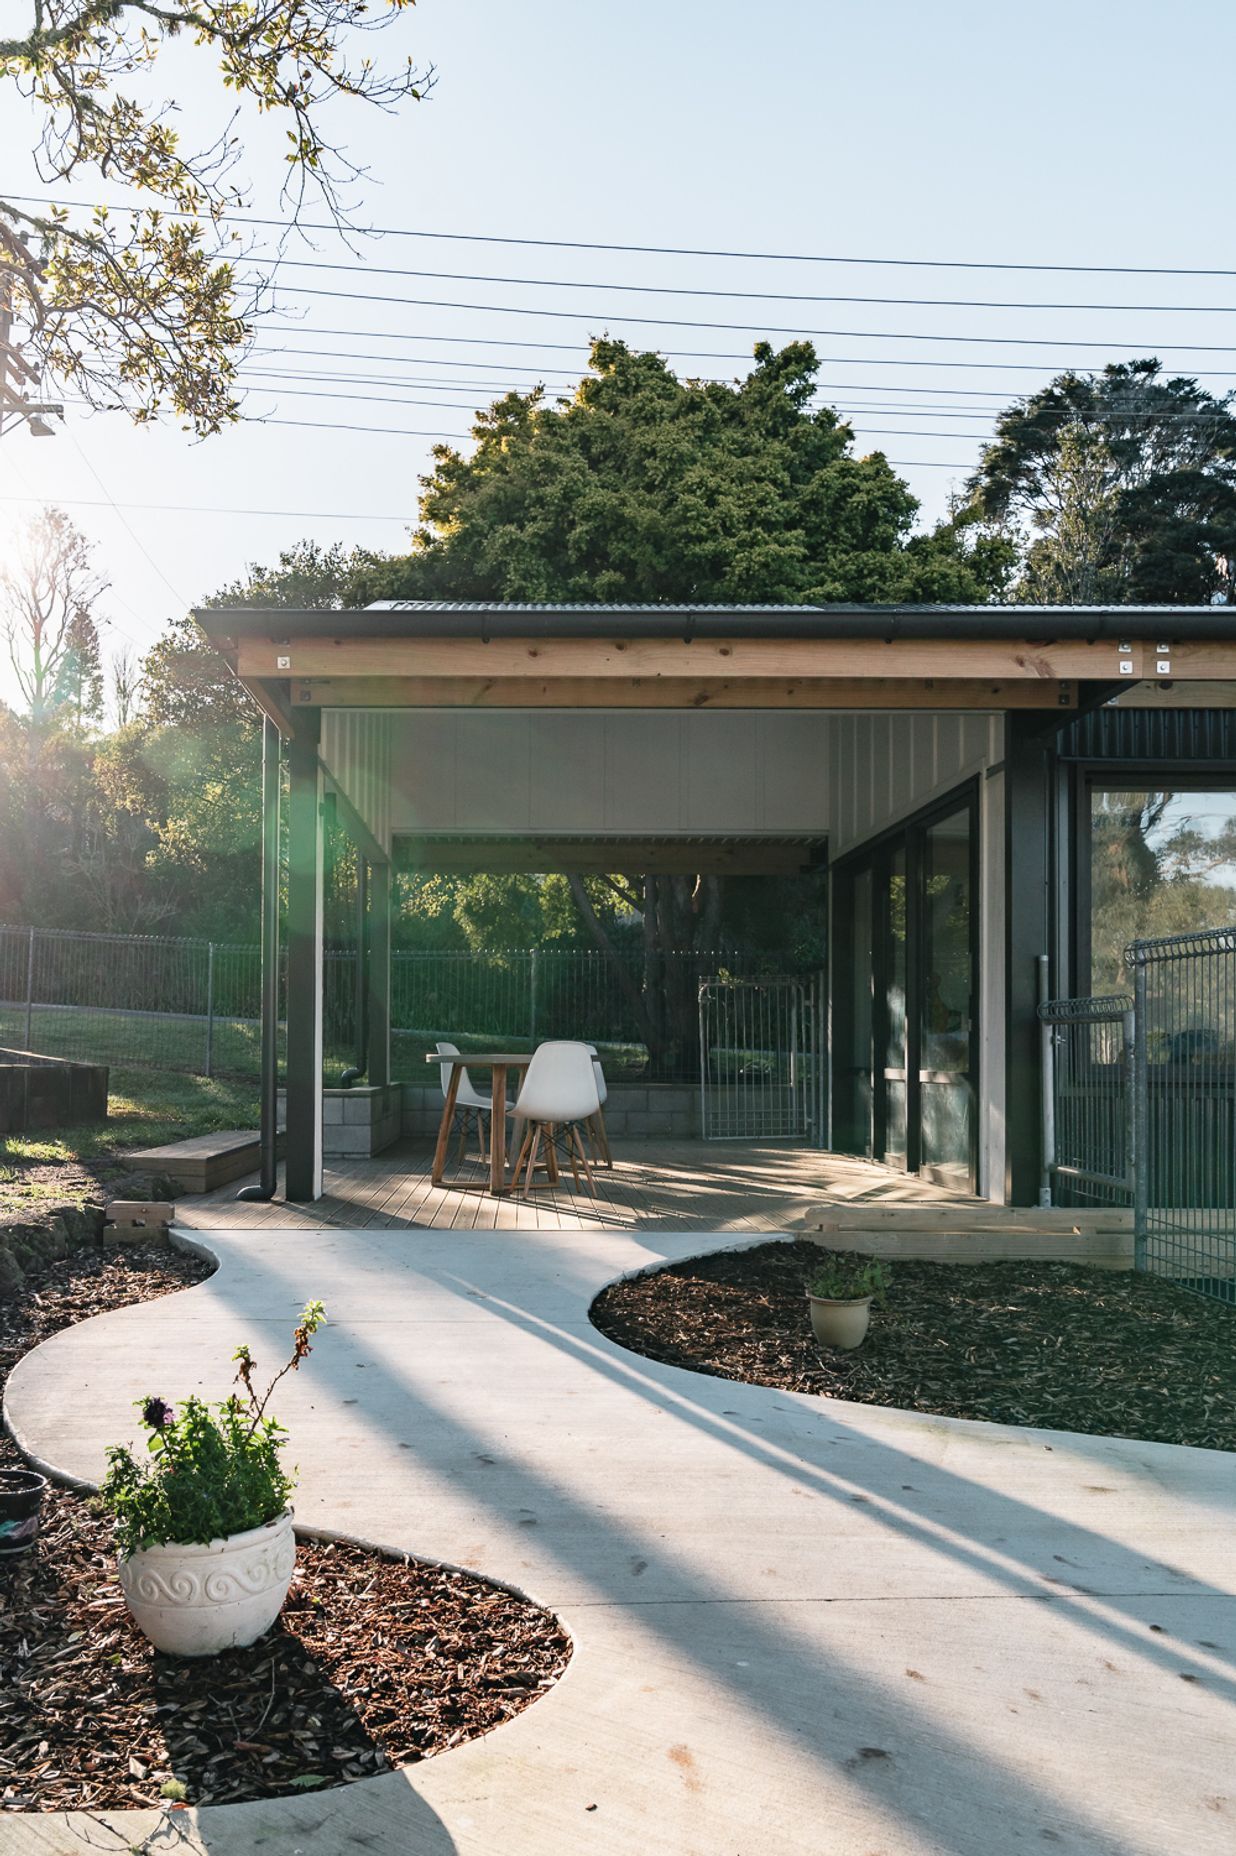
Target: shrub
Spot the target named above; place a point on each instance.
(848, 1279)
(212, 1469)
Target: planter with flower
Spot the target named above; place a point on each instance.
(203, 1524)
(840, 1295)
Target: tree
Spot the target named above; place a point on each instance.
(1117, 487)
(645, 487)
(48, 594)
(145, 308)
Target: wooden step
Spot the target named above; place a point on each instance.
(206, 1161)
(977, 1233)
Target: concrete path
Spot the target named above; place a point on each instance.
(801, 1628)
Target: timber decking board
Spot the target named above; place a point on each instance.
(685, 1185)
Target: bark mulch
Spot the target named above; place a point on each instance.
(374, 1663)
(1056, 1345)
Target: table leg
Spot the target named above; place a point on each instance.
(497, 1131)
(444, 1131)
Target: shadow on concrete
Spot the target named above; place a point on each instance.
(905, 1756)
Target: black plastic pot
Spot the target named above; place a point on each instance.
(21, 1498)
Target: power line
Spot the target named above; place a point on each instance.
(680, 322)
(675, 251)
(713, 354)
(207, 509)
(748, 296)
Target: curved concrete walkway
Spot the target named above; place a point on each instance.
(801, 1627)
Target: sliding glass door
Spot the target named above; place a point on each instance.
(905, 997)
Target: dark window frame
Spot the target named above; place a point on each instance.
(875, 853)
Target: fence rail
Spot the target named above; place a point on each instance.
(1184, 1109)
(1087, 1047)
(195, 1006)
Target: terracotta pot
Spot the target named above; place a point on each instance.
(195, 1600)
(21, 1498)
(840, 1324)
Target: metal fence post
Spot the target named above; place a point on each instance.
(1047, 1082)
(1140, 1131)
(534, 972)
(210, 1008)
(29, 991)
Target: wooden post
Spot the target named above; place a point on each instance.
(304, 935)
(379, 975)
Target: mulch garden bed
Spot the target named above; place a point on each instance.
(1052, 1344)
(374, 1663)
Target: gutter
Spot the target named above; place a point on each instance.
(1039, 624)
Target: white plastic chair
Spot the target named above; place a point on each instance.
(559, 1091)
(469, 1100)
(598, 1135)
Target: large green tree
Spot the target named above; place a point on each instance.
(1117, 487)
(646, 487)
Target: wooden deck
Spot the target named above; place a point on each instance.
(654, 1186)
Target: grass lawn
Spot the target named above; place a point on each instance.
(147, 1108)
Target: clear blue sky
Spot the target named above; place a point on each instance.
(1060, 133)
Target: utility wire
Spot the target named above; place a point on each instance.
(748, 296)
(669, 251)
(712, 354)
(679, 322)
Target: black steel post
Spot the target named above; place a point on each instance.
(379, 1002)
(1028, 888)
(305, 927)
(268, 1176)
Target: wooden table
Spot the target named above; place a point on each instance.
(499, 1062)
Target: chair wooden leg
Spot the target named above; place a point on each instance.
(572, 1140)
(532, 1154)
(592, 1185)
(522, 1155)
(603, 1132)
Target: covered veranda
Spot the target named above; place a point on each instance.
(907, 746)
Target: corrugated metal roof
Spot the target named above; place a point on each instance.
(738, 607)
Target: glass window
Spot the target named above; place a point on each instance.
(1162, 861)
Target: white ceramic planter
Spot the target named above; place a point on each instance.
(840, 1324)
(200, 1599)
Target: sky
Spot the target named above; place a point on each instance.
(1080, 134)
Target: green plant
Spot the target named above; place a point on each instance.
(849, 1279)
(213, 1470)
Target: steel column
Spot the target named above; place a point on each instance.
(1027, 906)
(305, 930)
(379, 975)
(269, 1061)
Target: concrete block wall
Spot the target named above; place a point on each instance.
(641, 1112)
(357, 1123)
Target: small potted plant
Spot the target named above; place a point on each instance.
(840, 1295)
(21, 1499)
(204, 1528)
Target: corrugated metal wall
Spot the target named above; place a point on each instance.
(884, 767)
(649, 773)
(356, 752)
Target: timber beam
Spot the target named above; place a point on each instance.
(676, 693)
(543, 856)
(996, 660)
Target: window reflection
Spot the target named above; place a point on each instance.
(1162, 861)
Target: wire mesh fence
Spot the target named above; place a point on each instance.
(1087, 1120)
(1184, 1109)
(761, 1059)
(195, 1006)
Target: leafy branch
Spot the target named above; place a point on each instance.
(145, 309)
